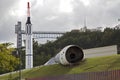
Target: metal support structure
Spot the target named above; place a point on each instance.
(18, 31)
(52, 35)
(45, 34)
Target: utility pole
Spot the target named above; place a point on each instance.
(85, 24)
(11, 70)
(19, 54)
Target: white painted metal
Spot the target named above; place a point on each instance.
(29, 46)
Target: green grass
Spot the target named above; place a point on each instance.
(87, 65)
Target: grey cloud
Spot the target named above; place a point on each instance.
(7, 30)
(99, 13)
(47, 17)
(6, 21)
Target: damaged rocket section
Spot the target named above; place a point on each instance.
(69, 55)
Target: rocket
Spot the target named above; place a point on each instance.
(28, 14)
(29, 42)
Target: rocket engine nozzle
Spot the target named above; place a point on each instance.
(69, 55)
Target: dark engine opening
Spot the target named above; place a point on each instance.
(74, 54)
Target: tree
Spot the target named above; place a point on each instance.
(7, 61)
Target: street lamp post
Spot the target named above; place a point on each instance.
(18, 52)
(10, 71)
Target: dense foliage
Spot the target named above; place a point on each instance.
(8, 62)
(88, 39)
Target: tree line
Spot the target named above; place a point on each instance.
(9, 60)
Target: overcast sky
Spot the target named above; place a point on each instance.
(57, 15)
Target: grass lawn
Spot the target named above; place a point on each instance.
(87, 65)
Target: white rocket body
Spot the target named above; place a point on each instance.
(29, 42)
(29, 47)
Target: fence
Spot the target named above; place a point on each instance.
(105, 75)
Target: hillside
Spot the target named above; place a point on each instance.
(87, 65)
(86, 40)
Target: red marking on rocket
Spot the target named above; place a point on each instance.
(28, 11)
(28, 5)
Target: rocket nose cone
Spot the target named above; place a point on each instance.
(28, 5)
